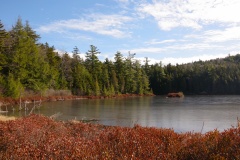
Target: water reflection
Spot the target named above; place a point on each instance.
(191, 113)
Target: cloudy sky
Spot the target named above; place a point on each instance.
(171, 31)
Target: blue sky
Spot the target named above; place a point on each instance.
(170, 31)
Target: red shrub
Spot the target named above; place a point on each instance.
(38, 137)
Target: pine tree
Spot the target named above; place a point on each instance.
(31, 33)
(20, 48)
(13, 87)
(25, 61)
(157, 79)
(97, 90)
(94, 66)
(67, 73)
(145, 84)
(120, 71)
(3, 35)
(138, 78)
(130, 72)
(38, 69)
(92, 62)
(54, 63)
(82, 80)
(113, 81)
(105, 77)
(146, 65)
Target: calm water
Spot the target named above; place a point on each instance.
(185, 114)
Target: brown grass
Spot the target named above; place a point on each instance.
(6, 118)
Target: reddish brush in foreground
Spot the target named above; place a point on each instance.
(38, 137)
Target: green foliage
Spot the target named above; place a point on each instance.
(3, 36)
(66, 71)
(13, 87)
(120, 69)
(53, 63)
(97, 91)
(112, 90)
(82, 80)
(30, 32)
(92, 62)
(114, 81)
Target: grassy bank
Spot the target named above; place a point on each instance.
(39, 137)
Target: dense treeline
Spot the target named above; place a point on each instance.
(29, 66)
(220, 76)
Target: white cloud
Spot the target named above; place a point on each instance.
(203, 57)
(217, 35)
(76, 36)
(151, 61)
(193, 46)
(111, 25)
(155, 41)
(183, 60)
(172, 48)
(192, 13)
(122, 1)
(145, 50)
(228, 34)
(62, 52)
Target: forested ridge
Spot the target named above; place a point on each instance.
(29, 66)
(219, 76)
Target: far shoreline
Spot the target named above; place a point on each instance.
(5, 101)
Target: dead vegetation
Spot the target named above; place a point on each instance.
(39, 137)
(6, 118)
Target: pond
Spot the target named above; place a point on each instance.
(191, 113)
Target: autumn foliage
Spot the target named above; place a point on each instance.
(39, 137)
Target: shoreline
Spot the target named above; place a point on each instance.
(5, 101)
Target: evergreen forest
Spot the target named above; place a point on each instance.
(29, 66)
